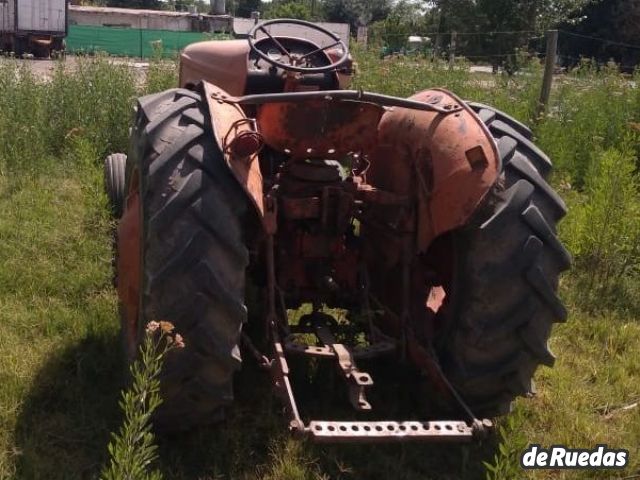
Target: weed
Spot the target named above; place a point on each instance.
(132, 450)
(162, 73)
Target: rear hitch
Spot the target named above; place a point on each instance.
(283, 342)
(329, 431)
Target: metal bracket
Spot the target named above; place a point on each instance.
(357, 381)
(359, 353)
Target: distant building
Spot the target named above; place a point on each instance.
(149, 19)
(191, 22)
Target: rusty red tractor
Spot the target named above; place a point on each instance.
(425, 222)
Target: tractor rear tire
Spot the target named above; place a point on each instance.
(193, 253)
(114, 181)
(507, 263)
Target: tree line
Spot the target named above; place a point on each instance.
(490, 30)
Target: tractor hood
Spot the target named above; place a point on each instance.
(223, 63)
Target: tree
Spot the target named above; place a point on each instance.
(455, 15)
(243, 8)
(404, 19)
(516, 22)
(531, 15)
(615, 28)
(289, 9)
(626, 21)
(546, 14)
(356, 12)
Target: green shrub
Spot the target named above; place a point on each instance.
(603, 230)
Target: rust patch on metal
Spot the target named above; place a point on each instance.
(319, 128)
(423, 155)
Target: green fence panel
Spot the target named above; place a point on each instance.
(130, 42)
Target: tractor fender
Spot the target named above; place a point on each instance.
(238, 140)
(446, 162)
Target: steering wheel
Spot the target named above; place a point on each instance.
(295, 60)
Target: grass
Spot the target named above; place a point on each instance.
(60, 366)
(57, 336)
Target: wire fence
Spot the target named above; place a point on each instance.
(499, 48)
(575, 47)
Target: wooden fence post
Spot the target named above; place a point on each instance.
(362, 36)
(452, 49)
(549, 67)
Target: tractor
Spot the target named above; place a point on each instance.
(272, 214)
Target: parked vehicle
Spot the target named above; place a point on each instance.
(38, 27)
(429, 220)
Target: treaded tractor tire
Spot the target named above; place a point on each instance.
(193, 252)
(506, 271)
(114, 181)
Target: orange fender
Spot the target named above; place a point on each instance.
(447, 162)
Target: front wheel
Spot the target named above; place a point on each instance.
(114, 181)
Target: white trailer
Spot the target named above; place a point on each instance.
(33, 26)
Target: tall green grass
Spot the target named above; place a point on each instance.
(592, 110)
(404, 76)
(604, 233)
(39, 120)
(59, 364)
(59, 352)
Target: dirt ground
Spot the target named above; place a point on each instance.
(43, 68)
